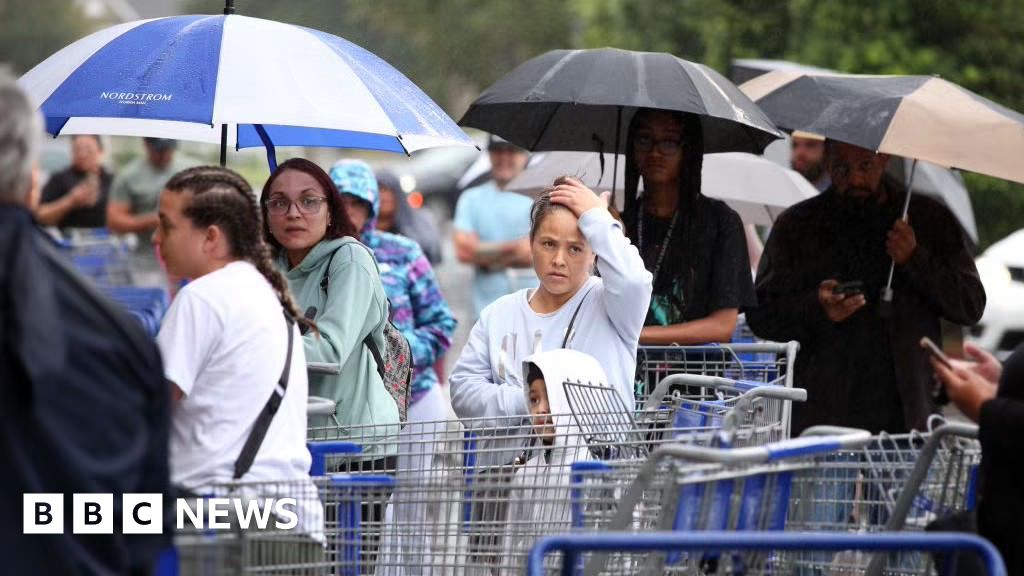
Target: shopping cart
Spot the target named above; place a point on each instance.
(333, 530)
(478, 498)
(763, 363)
(729, 411)
(850, 482)
(100, 256)
(571, 546)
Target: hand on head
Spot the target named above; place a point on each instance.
(574, 195)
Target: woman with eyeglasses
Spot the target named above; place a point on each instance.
(336, 283)
(694, 246)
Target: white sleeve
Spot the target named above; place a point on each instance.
(474, 392)
(627, 283)
(188, 333)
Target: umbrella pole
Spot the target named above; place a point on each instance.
(887, 291)
(615, 163)
(223, 145)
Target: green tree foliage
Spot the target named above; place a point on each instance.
(975, 44)
(31, 30)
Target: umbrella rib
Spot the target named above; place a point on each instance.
(547, 123)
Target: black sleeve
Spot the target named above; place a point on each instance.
(1001, 425)
(942, 268)
(785, 310)
(731, 283)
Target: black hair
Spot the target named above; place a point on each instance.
(678, 257)
(533, 373)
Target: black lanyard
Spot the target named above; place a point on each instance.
(664, 243)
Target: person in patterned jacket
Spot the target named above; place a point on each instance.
(418, 308)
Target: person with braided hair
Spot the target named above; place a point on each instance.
(337, 283)
(227, 336)
(694, 246)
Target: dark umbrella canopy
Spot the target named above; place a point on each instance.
(583, 99)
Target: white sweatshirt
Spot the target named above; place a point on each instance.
(487, 380)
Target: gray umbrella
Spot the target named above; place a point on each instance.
(583, 99)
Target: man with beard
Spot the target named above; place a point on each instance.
(860, 363)
(807, 156)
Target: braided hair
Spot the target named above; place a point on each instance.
(222, 198)
(678, 256)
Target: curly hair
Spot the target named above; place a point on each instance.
(222, 198)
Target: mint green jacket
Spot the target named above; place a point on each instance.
(353, 306)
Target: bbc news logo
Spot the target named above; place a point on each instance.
(143, 513)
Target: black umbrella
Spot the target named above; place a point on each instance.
(581, 100)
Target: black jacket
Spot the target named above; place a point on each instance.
(868, 371)
(83, 409)
(1001, 429)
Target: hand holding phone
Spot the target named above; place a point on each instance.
(936, 352)
(851, 288)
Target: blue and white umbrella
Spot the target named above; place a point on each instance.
(270, 84)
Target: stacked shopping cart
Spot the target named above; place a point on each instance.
(704, 452)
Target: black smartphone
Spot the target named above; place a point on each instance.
(851, 288)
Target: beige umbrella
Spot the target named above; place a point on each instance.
(917, 117)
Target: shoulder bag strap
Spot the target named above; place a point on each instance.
(572, 321)
(259, 429)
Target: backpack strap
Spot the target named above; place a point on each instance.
(259, 429)
(325, 281)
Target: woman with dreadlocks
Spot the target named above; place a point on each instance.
(230, 343)
(693, 245)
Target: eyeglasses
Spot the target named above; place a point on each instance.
(666, 147)
(279, 206)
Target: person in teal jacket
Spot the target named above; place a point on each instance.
(336, 283)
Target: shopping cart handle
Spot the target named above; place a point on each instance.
(572, 545)
(828, 430)
(778, 393)
(673, 380)
(321, 450)
(794, 448)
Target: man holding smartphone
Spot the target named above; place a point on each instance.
(820, 281)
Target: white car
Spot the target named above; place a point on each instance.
(1002, 272)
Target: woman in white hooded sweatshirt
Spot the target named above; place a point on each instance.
(570, 226)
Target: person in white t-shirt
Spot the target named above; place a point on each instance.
(225, 341)
(570, 226)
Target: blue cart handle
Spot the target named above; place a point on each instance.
(321, 450)
(573, 544)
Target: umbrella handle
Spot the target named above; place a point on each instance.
(887, 292)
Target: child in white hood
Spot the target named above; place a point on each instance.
(541, 488)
